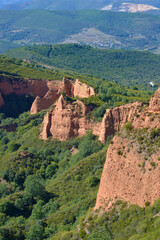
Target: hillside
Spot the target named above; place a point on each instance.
(48, 188)
(102, 29)
(129, 68)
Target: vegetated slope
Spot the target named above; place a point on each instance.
(48, 189)
(116, 30)
(51, 185)
(128, 68)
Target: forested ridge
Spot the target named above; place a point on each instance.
(129, 68)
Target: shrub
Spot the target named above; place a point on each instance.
(154, 133)
(119, 152)
(12, 147)
(128, 126)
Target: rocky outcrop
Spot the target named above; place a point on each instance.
(124, 176)
(54, 90)
(124, 179)
(154, 104)
(82, 90)
(45, 92)
(116, 118)
(35, 88)
(66, 116)
(71, 89)
(67, 120)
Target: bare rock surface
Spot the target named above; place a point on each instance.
(124, 179)
(116, 118)
(123, 176)
(67, 120)
(45, 92)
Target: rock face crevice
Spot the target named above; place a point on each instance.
(1, 100)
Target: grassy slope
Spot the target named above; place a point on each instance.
(121, 66)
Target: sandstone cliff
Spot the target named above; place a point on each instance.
(131, 171)
(155, 102)
(112, 121)
(55, 88)
(67, 120)
(123, 177)
(116, 118)
(10, 85)
(45, 92)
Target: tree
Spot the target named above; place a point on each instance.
(34, 186)
(35, 233)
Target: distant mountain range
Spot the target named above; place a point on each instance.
(102, 29)
(116, 5)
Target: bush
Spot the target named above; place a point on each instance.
(93, 181)
(12, 147)
(154, 133)
(128, 126)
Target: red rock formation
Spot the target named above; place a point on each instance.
(45, 92)
(82, 90)
(55, 88)
(122, 176)
(124, 179)
(116, 118)
(67, 120)
(53, 93)
(10, 85)
(155, 102)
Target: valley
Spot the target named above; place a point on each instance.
(102, 29)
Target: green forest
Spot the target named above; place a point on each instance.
(137, 31)
(120, 66)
